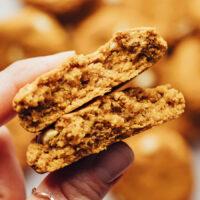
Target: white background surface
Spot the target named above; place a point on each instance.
(10, 7)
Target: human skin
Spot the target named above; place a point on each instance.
(90, 178)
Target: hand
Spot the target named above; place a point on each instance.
(88, 179)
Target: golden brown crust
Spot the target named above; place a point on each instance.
(108, 120)
(35, 34)
(161, 170)
(82, 78)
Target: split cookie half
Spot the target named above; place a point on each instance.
(107, 120)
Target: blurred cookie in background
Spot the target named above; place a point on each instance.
(68, 11)
(21, 140)
(58, 6)
(162, 168)
(194, 6)
(120, 14)
(31, 33)
(99, 27)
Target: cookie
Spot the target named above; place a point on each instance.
(82, 78)
(35, 34)
(107, 120)
(161, 170)
(98, 28)
(21, 140)
(60, 7)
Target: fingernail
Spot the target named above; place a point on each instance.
(113, 162)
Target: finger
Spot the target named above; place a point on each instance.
(20, 73)
(11, 175)
(91, 178)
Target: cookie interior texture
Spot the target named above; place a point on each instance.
(82, 78)
(108, 120)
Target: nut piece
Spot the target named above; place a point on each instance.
(48, 135)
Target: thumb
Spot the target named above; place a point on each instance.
(89, 179)
(11, 176)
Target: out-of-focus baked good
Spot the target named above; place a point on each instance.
(31, 33)
(21, 140)
(162, 168)
(194, 6)
(60, 6)
(82, 78)
(97, 28)
(109, 119)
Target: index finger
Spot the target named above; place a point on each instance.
(20, 73)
